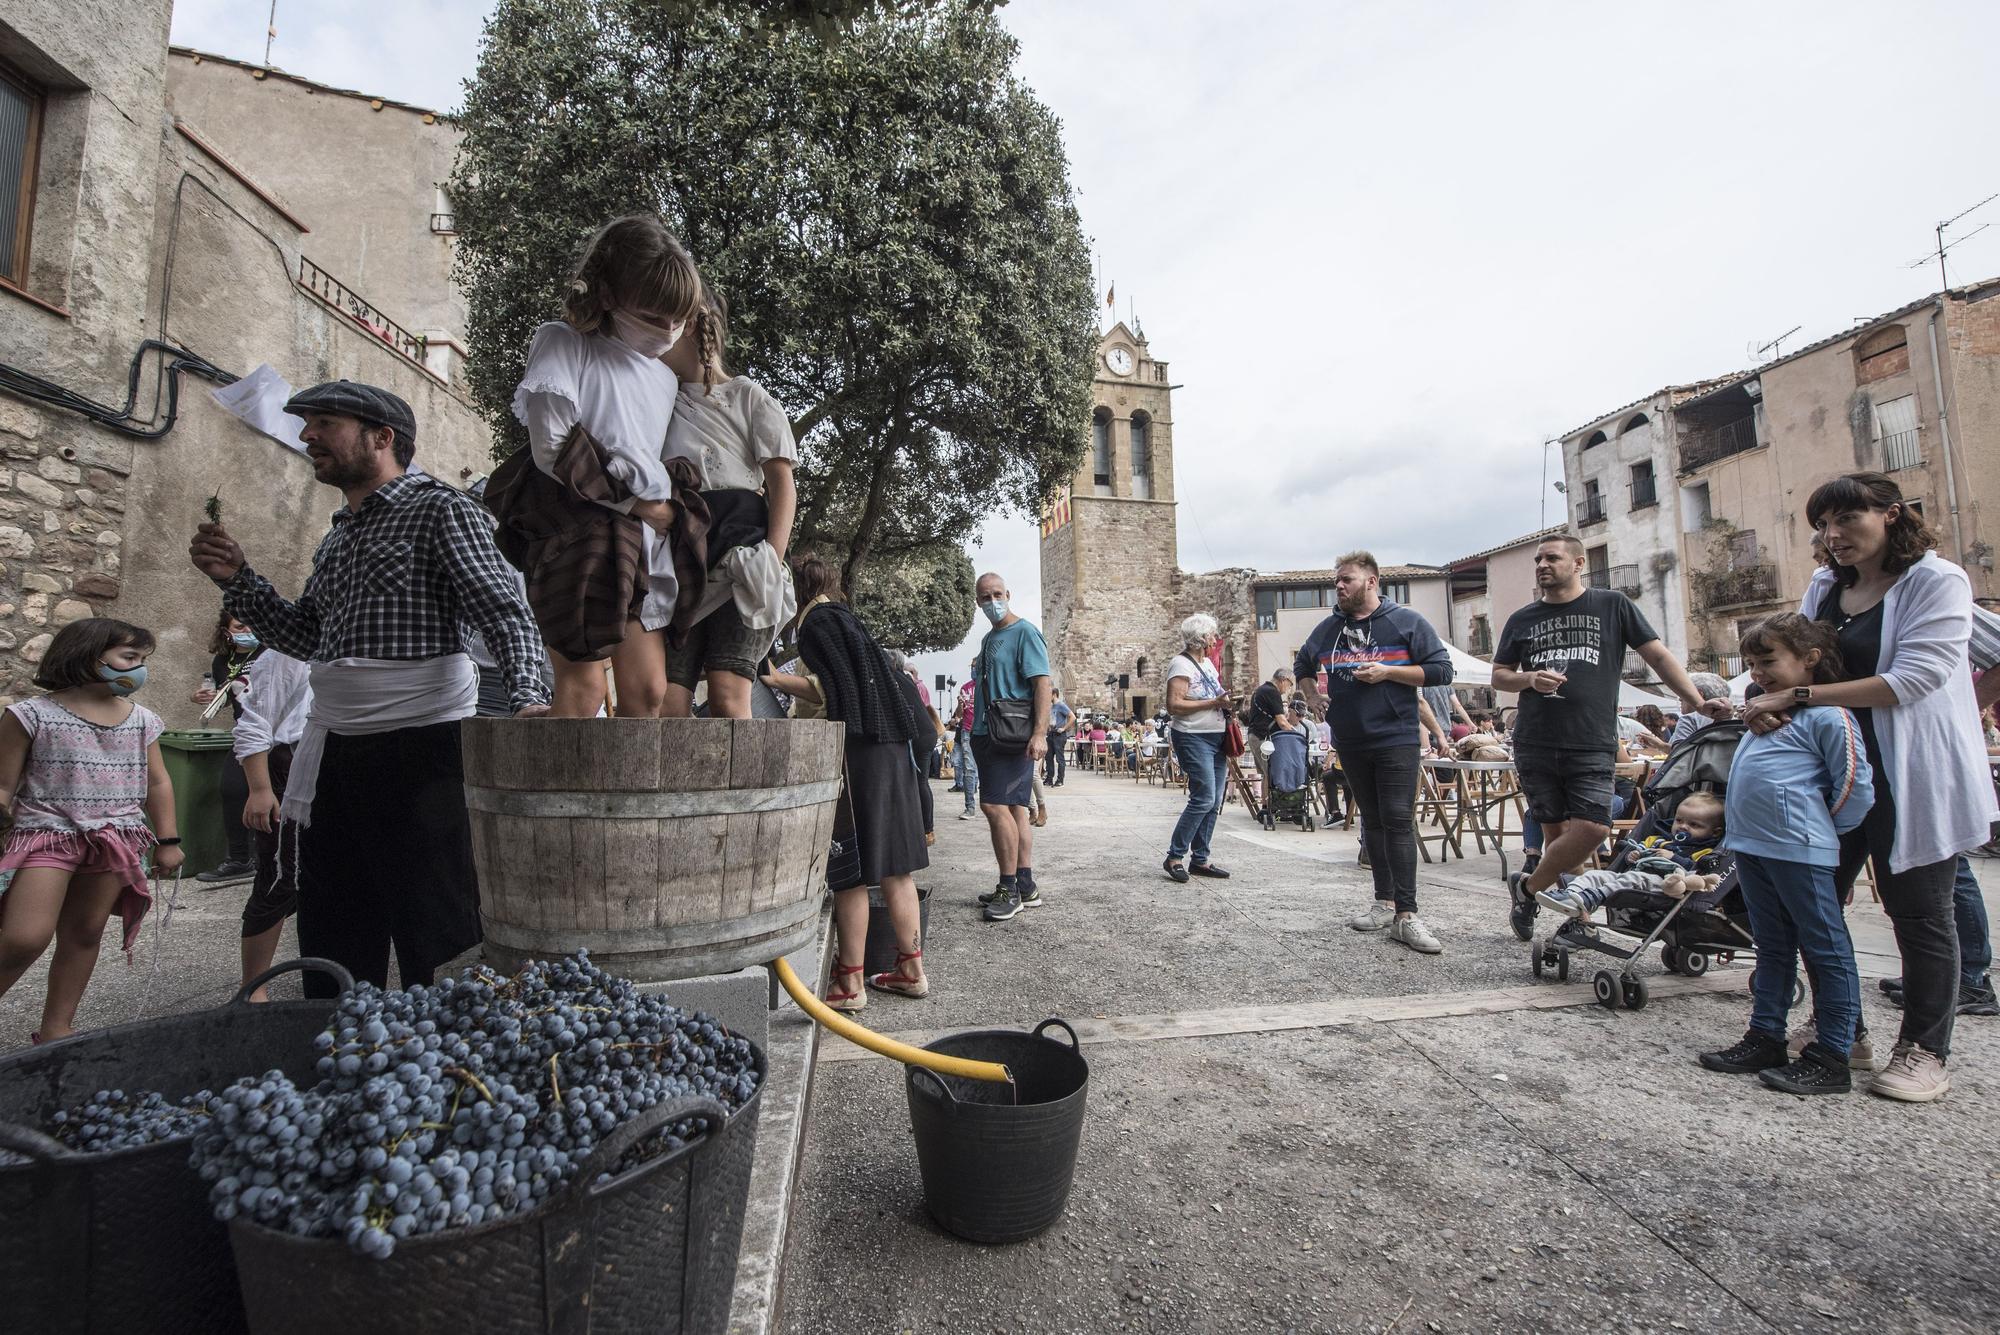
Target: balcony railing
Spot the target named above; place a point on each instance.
(1644, 493)
(1902, 450)
(1740, 587)
(1701, 448)
(1593, 511)
(1625, 579)
(347, 302)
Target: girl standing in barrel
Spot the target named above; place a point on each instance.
(607, 528)
(80, 777)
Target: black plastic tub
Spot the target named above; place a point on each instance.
(125, 1242)
(880, 953)
(997, 1159)
(653, 1250)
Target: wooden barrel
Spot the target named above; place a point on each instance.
(666, 847)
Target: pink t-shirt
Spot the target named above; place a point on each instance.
(81, 775)
(965, 694)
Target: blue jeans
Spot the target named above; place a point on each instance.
(967, 770)
(1207, 768)
(1975, 945)
(1795, 910)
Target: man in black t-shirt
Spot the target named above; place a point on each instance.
(1267, 715)
(1563, 655)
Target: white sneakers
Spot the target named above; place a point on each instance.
(1912, 1075)
(1379, 914)
(1410, 931)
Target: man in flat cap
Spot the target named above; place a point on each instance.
(386, 852)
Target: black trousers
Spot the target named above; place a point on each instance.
(1383, 788)
(387, 860)
(1055, 765)
(1918, 902)
(235, 792)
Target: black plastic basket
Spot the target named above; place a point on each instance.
(125, 1241)
(653, 1250)
(997, 1159)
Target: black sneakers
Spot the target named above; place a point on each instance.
(1522, 907)
(1979, 1000)
(1816, 1071)
(1754, 1052)
(1002, 904)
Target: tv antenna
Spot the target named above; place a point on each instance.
(1943, 247)
(1775, 347)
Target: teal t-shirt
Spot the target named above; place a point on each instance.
(1010, 658)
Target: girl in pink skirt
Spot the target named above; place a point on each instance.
(80, 776)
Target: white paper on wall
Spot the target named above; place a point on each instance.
(259, 400)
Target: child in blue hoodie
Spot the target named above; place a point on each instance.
(1792, 794)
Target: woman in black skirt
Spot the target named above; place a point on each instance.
(878, 832)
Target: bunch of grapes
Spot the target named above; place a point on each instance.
(451, 1105)
(110, 1120)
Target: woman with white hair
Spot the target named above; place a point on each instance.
(1709, 686)
(1199, 706)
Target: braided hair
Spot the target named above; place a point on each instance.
(632, 262)
(711, 331)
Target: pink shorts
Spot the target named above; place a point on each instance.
(114, 850)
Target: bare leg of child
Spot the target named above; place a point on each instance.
(28, 920)
(579, 689)
(639, 666)
(79, 929)
(258, 953)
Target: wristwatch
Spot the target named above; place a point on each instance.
(1801, 695)
(169, 842)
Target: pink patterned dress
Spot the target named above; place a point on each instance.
(81, 803)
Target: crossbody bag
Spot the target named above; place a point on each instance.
(1009, 723)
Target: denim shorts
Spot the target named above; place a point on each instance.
(1566, 785)
(719, 642)
(1006, 777)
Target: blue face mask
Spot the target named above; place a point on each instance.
(244, 641)
(995, 609)
(122, 681)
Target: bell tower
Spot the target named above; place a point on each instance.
(1110, 567)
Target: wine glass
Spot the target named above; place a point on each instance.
(1554, 661)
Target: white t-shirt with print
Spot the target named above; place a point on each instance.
(1203, 684)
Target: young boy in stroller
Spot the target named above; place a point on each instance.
(1674, 847)
(1287, 763)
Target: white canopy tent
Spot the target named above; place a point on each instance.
(1469, 671)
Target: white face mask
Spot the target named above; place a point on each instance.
(643, 336)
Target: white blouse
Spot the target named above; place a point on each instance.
(731, 430)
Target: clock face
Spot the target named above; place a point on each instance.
(1120, 361)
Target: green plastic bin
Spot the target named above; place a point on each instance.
(195, 757)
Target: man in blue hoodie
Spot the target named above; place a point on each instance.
(1374, 656)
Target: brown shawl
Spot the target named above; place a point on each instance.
(584, 563)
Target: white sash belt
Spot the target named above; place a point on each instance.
(359, 696)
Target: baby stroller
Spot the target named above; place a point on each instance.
(1693, 932)
(1291, 795)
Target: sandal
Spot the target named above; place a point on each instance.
(895, 981)
(846, 1001)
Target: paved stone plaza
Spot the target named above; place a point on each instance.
(1294, 1126)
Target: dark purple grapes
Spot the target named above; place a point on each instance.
(461, 1103)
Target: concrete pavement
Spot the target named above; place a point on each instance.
(1294, 1126)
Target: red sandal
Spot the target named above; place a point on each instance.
(894, 980)
(845, 1000)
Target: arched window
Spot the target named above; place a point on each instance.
(1633, 423)
(1596, 438)
(1142, 456)
(1100, 451)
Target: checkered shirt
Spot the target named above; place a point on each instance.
(400, 579)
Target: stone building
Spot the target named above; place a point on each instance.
(1113, 592)
(1914, 393)
(238, 216)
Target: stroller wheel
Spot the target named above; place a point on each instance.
(1693, 963)
(1605, 985)
(1309, 825)
(1671, 957)
(1562, 965)
(1539, 958)
(1635, 993)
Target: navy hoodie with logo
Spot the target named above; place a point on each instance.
(1384, 715)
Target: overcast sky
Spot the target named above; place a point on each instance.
(1390, 248)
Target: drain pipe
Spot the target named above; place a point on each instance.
(1944, 438)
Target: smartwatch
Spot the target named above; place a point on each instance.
(170, 842)
(1801, 695)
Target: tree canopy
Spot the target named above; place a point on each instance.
(890, 218)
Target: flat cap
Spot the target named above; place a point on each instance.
(351, 398)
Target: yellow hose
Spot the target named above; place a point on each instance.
(887, 1047)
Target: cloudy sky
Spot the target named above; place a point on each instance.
(1391, 247)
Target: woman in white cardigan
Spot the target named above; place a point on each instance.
(1903, 617)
